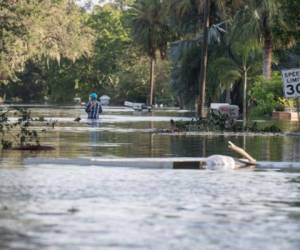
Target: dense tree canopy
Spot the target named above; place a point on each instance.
(58, 50)
(42, 29)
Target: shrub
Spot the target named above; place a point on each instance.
(20, 133)
(267, 95)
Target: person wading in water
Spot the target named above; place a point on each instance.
(93, 107)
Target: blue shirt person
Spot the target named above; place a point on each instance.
(93, 107)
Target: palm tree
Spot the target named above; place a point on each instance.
(205, 14)
(151, 32)
(258, 18)
(240, 60)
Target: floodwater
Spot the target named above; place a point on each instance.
(70, 207)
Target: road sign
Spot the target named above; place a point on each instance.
(291, 82)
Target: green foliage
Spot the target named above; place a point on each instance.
(164, 93)
(113, 64)
(151, 32)
(265, 95)
(215, 121)
(111, 42)
(230, 63)
(222, 122)
(116, 68)
(288, 29)
(256, 17)
(29, 86)
(185, 72)
(133, 83)
(40, 29)
(20, 133)
(57, 50)
(149, 27)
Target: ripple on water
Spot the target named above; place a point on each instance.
(92, 208)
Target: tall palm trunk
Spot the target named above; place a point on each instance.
(245, 98)
(152, 80)
(202, 83)
(228, 95)
(267, 55)
(180, 101)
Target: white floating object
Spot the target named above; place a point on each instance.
(218, 162)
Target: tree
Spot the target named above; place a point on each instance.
(185, 71)
(240, 59)
(151, 33)
(209, 12)
(259, 18)
(112, 40)
(40, 29)
(13, 35)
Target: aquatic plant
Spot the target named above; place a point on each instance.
(217, 121)
(21, 134)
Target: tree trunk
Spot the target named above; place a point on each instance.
(152, 81)
(228, 96)
(267, 56)
(3, 76)
(202, 83)
(180, 101)
(245, 99)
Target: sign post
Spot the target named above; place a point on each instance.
(291, 86)
(298, 110)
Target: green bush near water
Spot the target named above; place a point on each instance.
(265, 96)
(222, 122)
(22, 133)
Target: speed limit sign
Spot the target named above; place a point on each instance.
(291, 81)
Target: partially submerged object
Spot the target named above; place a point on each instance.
(250, 161)
(214, 162)
(137, 106)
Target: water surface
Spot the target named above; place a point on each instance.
(80, 207)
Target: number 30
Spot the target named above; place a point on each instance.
(291, 89)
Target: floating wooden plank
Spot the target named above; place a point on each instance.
(242, 153)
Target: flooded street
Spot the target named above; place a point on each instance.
(70, 207)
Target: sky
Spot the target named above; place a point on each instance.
(88, 4)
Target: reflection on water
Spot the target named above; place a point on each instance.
(94, 134)
(60, 207)
(131, 136)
